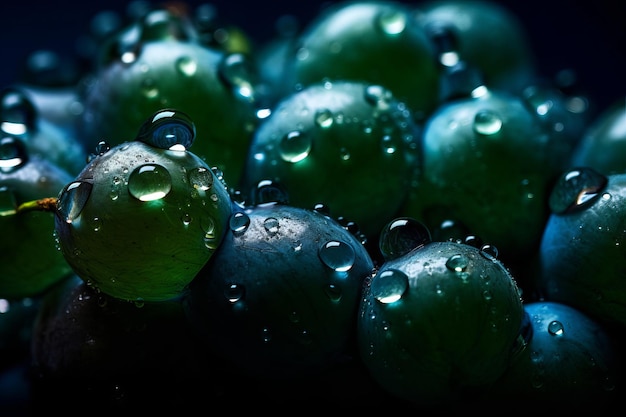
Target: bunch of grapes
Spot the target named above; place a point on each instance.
(389, 205)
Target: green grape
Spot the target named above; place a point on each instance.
(31, 262)
(143, 217)
(349, 145)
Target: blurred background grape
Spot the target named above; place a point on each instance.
(589, 37)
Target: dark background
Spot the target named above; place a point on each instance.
(589, 37)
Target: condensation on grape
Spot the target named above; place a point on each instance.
(73, 199)
(389, 286)
(149, 182)
(337, 255)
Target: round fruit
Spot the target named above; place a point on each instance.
(279, 297)
(582, 251)
(439, 323)
(571, 364)
(349, 145)
(28, 235)
(144, 217)
(506, 61)
(156, 70)
(376, 42)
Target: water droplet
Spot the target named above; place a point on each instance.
(489, 252)
(268, 191)
(73, 199)
(457, 263)
(389, 286)
(234, 292)
(18, 115)
(235, 71)
(392, 22)
(402, 235)
(13, 154)
(487, 122)
(378, 96)
(239, 223)
(295, 146)
(556, 328)
(186, 219)
(201, 179)
(167, 128)
(576, 190)
(186, 65)
(324, 118)
(337, 255)
(333, 292)
(271, 225)
(149, 182)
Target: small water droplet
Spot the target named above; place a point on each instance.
(392, 22)
(457, 263)
(167, 128)
(186, 65)
(13, 154)
(401, 236)
(324, 118)
(234, 292)
(337, 255)
(239, 223)
(271, 225)
(389, 286)
(149, 182)
(576, 190)
(487, 122)
(295, 146)
(556, 328)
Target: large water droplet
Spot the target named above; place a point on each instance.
(556, 328)
(149, 182)
(402, 235)
(457, 263)
(576, 189)
(392, 22)
(487, 122)
(234, 292)
(337, 255)
(72, 200)
(239, 223)
(389, 286)
(168, 128)
(13, 154)
(295, 146)
(18, 115)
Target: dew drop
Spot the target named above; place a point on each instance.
(457, 263)
(239, 223)
(489, 252)
(556, 328)
(18, 115)
(324, 118)
(337, 255)
(378, 96)
(13, 154)
(268, 191)
(186, 65)
(402, 235)
(392, 22)
(389, 286)
(487, 122)
(235, 71)
(295, 146)
(333, 292)
(576, 190)
(149, 182)
(234, 292)
(271, 225)
(201, 179)
(168, 128)
(73, 199)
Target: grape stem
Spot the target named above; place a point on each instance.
(42, 204)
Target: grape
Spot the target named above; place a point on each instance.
(402, 205)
